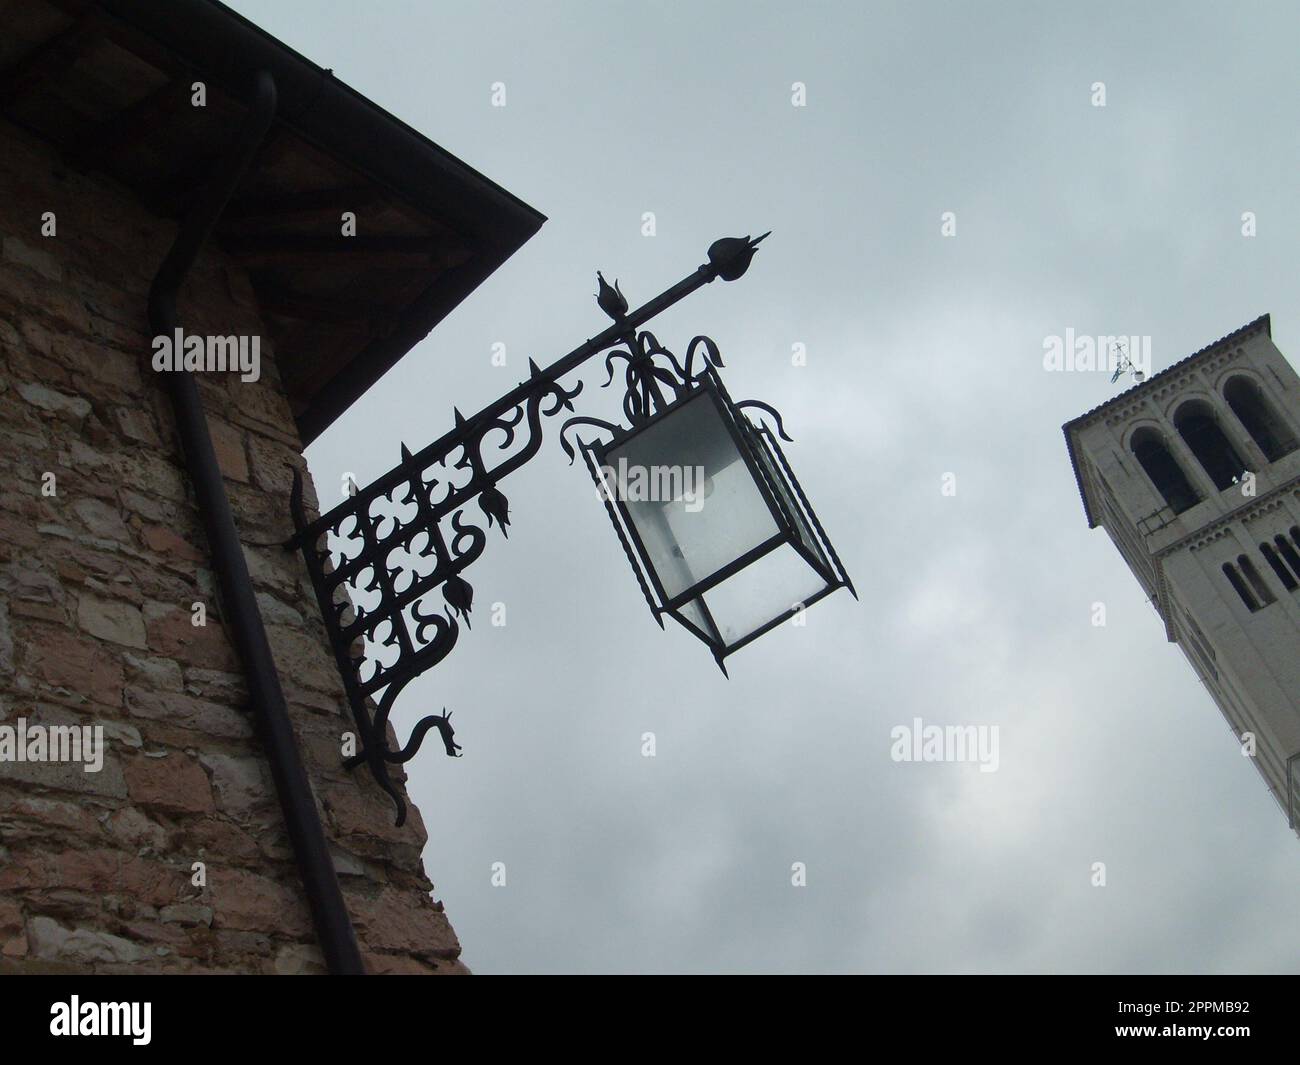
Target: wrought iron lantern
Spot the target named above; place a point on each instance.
(718, 530)
(731, 549)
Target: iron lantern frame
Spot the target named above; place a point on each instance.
(774, 478)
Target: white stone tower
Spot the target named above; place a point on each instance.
(1195, 474)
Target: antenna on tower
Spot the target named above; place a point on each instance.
(1124, 365)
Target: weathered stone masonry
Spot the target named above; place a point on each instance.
(97, 588)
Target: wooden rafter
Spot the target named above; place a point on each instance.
(396, 251)
(127, 127)
(372, 319)
(254, 210)
(48, 58)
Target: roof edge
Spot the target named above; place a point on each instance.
(319, 107)
(223, 47)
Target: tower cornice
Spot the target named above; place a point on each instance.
(1214, 530)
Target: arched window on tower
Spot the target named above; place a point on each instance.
(1257, 582)
(1288, 553)
(1200, 430)
(1234, 578)
(1162, 468)
(1248, 584)
(1279, 565)
(1259, 418)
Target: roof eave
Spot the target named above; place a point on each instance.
(227, 49)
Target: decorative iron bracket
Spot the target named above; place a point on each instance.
(410, 532)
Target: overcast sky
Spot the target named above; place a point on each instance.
(924, 357)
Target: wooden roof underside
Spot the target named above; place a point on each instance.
(113, 100)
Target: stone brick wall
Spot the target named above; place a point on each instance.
(100, 568)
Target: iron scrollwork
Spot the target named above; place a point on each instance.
(395, 543)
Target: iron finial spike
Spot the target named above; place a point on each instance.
(729, 257)
(610, 299)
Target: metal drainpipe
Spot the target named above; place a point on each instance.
(243, 618)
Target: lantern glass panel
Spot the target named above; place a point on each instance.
(689, 495)
(765, 590)
(788, 503)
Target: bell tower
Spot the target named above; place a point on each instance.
(1195, 475)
